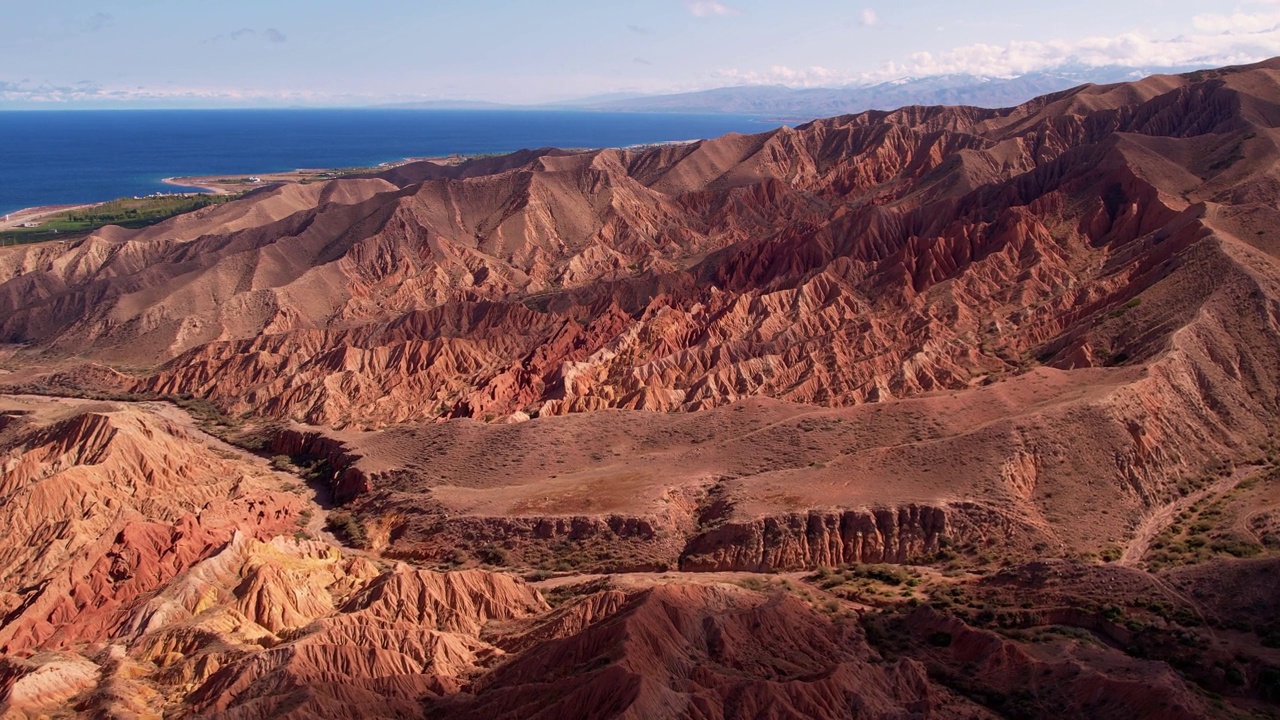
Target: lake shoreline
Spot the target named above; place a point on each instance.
(18, 218)
(85, 157)
(237, 183)
(233, 183)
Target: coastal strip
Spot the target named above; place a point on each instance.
(239, 183)
(30, 217)
(235, 183)
(34, 219)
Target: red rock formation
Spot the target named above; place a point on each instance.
(851, 259)
(1086, 681)
(823, 539)
(714, 652)
(105, 504)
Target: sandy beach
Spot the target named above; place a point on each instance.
(18, 218)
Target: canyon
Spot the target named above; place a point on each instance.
(942, 412)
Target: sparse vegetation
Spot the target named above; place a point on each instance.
(872, 583)
(1233, 156)
(1200, 533)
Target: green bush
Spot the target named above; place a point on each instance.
(493, 555)
(348, 528)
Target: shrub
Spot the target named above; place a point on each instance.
(887, 574)
(493, 555)
(1235, 546)
(348, 528)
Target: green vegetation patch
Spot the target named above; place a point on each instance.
(871, 583)
(1199, 534)
(348, 528)
(125, 212)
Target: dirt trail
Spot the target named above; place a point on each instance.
(1162, 517)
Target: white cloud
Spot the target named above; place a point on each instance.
(710, 8)
(27, 93)
(868, 17)
(815, 76)
(1217, 39)
(1237, 22)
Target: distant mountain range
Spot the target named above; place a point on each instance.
(808, 103)
(790, 103)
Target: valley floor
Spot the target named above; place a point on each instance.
(268, 600)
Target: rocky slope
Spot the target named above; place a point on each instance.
(1119, 234)
(104, 504)
(852, 259)
(897, 357)
(300, 629)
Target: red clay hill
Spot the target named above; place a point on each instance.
(937, 413)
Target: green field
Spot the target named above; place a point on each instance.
(125, 212)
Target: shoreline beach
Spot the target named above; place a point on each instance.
(223, 184)
(18, 218)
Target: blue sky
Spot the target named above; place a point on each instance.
(326, 52)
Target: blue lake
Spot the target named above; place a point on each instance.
(60, 157)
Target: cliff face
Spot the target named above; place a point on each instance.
(817, 539)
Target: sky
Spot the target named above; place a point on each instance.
(80, 53)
